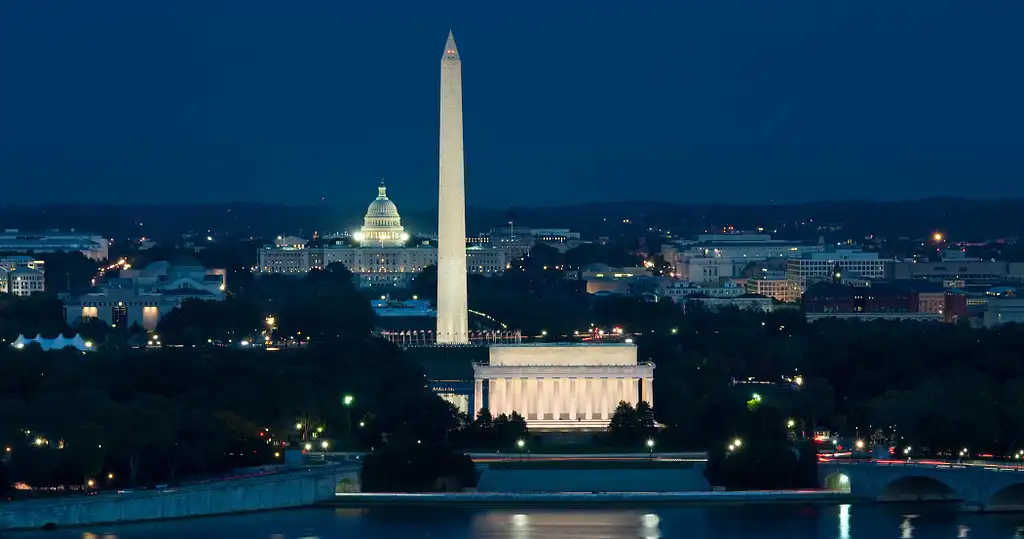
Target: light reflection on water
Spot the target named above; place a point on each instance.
(720, 522)
(844, 521)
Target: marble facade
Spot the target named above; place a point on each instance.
(562, 386)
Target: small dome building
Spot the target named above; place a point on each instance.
(382, 225)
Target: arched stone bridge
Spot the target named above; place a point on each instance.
(977, 487)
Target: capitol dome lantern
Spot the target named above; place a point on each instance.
(382, 225)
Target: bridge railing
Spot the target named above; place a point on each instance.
(933, 464)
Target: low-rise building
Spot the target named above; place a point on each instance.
(22, 261)
(92, 246)
(884, 300)
(21, 281)
(22, 275)
(714, 257)
(966, 270)
(734, 251)
(603, 279)
(681, 291)
(811, 267)
(144, 296)
(1002, 310)
(777, 287)
(742, 303)
(831, 297)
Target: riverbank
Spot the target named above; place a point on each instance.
(297, 488)
(587, 499)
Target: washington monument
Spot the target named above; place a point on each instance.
(452, 303)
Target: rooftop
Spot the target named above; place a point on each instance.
(563, 344)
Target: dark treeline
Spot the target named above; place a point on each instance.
(968, 219)
(171, 412)
(149, 416)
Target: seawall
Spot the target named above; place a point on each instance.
(594, 480)
(287, 489)
(586, 499)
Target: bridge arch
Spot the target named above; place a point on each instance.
(347, 484)
(917, 488)
(1007, 497)
(837, 481)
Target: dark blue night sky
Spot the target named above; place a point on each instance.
(197, 101)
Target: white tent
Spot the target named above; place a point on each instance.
(59, 343)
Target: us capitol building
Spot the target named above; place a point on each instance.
(383, 257)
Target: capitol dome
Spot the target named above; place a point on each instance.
(382, 225)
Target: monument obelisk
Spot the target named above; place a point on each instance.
(452, 302)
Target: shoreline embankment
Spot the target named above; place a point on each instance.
(586, 499)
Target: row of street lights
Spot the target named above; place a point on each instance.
(521, 445)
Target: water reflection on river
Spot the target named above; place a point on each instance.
(721, 522)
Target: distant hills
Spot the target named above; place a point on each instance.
(959, 218)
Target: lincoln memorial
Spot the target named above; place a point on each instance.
(567, 386)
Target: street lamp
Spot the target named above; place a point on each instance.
(650, 450)
(520, 444)
(347, 400)
(270, 328)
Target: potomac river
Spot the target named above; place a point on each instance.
(840, 521)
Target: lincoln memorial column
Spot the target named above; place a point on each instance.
(497, 397)
(556, 396)
(648, 391)
(585, 401)
(615, 392)
(478, 398)
(574, 384)
(542, 398)
(611, 396)
(515, 390)
(493, 394)
(528, 405)
(602, 395)
(549, 396)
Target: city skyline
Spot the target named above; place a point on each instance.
(780, 104)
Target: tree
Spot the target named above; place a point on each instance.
(508, 430)
(631, 427)
(69, 272)
(624, 425)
